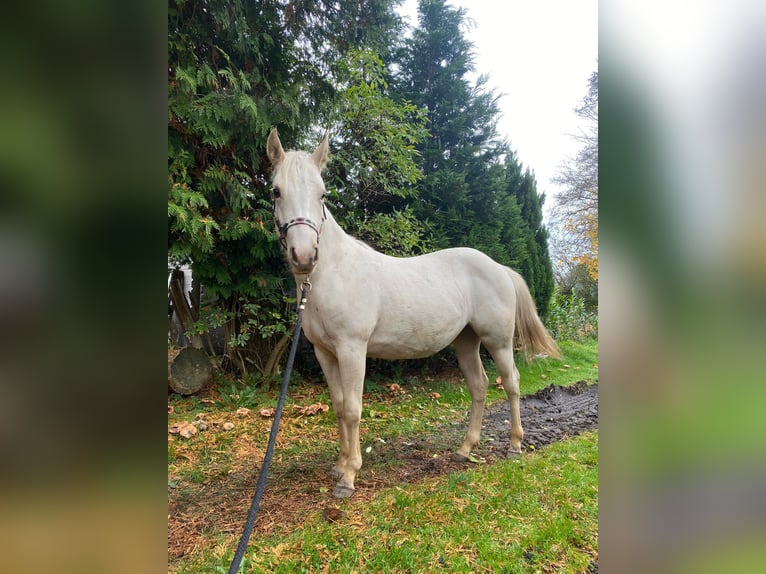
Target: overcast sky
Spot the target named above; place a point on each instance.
(540, 54)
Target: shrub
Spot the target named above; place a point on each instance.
(568, 318)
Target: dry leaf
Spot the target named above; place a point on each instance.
(171, 409)
(542, 376)
(566, 366)
(185, 429)
(267, 412)
(242, 411)
(228, 426)
(395, 389)
(313, 409)
(332, 514)
(434, 395)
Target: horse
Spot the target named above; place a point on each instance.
(363, 303)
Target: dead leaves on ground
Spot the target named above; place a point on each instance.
(311, 410)
(185, 429)
(189, 429)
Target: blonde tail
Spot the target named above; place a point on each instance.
(530, 335)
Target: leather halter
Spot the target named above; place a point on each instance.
(284, 227)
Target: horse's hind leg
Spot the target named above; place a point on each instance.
(467, 351)
(509, 374)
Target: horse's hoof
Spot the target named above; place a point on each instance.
(457, 457)
(342, 491)
(513, 454)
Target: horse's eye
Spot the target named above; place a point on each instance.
(276, 192)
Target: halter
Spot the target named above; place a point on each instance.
(284, 227)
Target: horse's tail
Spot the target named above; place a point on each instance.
(531, 335)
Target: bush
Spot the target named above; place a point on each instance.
(568, 319)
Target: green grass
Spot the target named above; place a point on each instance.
(538, 514)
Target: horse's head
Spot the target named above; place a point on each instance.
(298, 201)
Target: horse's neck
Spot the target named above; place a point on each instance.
(335, 247)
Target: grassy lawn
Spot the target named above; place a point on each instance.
(536, 514)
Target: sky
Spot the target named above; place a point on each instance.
(539, 54)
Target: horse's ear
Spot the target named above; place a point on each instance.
(274, 148)
(320, 154)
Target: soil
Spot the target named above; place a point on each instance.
(296, 490)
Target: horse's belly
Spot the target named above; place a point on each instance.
(406, 343)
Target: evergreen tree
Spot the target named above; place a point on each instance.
(473, 192)
(536, 267)
(235, 70)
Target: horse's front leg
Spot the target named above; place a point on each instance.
(346, 393)
(329, 364)
(351, 365)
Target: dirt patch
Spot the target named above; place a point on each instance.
(551, 414)
(297, 488)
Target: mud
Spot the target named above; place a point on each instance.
(552, 414)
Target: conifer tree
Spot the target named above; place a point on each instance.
(473, 192)
(236, 69)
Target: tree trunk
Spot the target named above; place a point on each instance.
(272, 365)
(182, 309)
(189, 371)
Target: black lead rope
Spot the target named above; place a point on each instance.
(253, 512)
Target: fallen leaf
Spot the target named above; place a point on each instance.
(228, 426)
(279, 549)
(242, 411)
(435, 395)
(566, 366)
(542, 376)
(267, 412)
(332, 514)
(185, 429)
(395, 389)
(313, 409)
(171, 408)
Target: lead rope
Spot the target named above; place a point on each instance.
(253, 512)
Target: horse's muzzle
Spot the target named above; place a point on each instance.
(303, 263)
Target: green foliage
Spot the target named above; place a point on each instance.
(235, 70)
(569, 319)
(374, 172)
(397, 233)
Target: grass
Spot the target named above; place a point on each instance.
(537, 514)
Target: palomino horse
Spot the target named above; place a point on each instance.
(366, 304)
